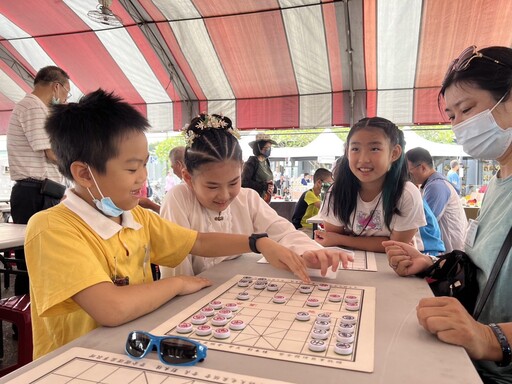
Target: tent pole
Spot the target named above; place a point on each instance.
(348, 34)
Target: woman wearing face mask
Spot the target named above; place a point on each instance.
(478, 101)
(256, 173)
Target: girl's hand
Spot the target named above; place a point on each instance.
(326, 239)
(191, 284)
(446, 318)
(405, 259)
(283, 258)
(325, 258)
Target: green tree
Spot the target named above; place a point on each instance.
(162, 148)
(436, 133)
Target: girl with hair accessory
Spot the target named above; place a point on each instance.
(371, 199)
(212, 200)
(476, 97)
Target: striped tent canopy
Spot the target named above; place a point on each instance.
(264, 63)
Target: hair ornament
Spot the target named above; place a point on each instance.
(205, 123)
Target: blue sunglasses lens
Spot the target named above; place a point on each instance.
(137, 344)
(177, 351)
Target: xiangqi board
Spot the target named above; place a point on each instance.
(323, 324)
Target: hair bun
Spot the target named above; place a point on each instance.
(204, 123)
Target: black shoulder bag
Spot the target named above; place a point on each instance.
(454, 274)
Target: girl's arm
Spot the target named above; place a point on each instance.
(224, 244)
(335, 236)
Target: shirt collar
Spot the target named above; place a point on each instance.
(100, 223)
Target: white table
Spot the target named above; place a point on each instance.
(12, 235)
(404, 351)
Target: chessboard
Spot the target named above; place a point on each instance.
(322, 324)
(81, 365)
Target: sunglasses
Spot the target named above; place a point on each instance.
(465, 58)
(173, 350)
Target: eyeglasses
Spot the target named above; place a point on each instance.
(416, 166)
(173, 350)
(465, 58)
(67, 90)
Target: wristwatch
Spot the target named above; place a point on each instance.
(433, 258)
(505, 346)
(252, 241)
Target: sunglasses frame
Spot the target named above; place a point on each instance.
(156, 341)
(462, 62)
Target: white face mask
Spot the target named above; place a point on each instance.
(481, 137)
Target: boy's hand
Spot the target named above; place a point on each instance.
(283, 258)
(325, 258)
(191, 284)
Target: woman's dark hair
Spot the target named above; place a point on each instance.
(91, 129)
(484, 73)
(256, 148)
(211, 138)
(342, 198)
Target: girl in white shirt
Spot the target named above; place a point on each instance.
(371, 199)
(212, 200)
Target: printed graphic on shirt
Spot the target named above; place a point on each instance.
(366, 221)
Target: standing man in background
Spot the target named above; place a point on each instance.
(453, 175)
(31, 161)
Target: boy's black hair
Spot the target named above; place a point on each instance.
(343, 197)
(321, 174)
(209, 144)
(90, 130)
(419, 155)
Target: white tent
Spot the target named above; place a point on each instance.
(413, 140)
(325, 148)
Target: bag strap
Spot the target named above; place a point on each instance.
(494, 274)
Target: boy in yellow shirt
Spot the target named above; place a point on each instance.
(310, 202)
(89, 257)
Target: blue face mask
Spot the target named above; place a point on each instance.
(105, 205)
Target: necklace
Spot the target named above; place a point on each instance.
(368, 220)
(219, 218)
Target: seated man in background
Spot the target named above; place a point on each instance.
(441, 197)
(309, 203)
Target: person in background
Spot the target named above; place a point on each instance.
(279, 185)
(211, 199)
(428, 237)
(310, 202)
(453, 175)
(306, 179)
(89, 256)
(31, 159)
(371, 199)
(177, 160)
(478, 102)
(256, 173)
(441, 197)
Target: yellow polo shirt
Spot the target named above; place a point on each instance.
(72, 246)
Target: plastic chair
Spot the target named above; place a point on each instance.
(16, 310)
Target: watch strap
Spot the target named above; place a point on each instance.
(252, 241)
